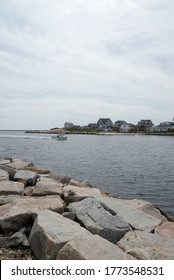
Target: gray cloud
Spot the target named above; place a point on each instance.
(62, 58)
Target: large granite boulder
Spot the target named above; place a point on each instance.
(4, 175)
(137, 219)
(166, 230)
(144, 206)
(20, 212)
(147, 246)
(92, 215)
(17, 163)
(28, 176)
(73, 193)
(91, 247)
(47, 186)
(10, 187)
(50, 232)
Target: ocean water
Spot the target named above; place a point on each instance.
(128, 166)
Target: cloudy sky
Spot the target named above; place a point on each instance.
(79, 60)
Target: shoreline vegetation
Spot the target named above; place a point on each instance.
(53, 216)
(97, 132)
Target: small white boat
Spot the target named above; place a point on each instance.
(60, 137)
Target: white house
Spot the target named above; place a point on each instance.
(126, 127)
(164, 126)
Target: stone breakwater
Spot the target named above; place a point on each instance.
(60, 218)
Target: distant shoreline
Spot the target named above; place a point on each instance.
(57, 131)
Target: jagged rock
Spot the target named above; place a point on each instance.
(64, 179)
(20, 212)
(38, 170)
(11, 171)
(92, 215)
(28, 191)
(69, 215)
(10, 187)
(144, 206)
(4, 161)
(166, 230)
(91, 247)
(4, 199)
(18, 238)
(29, 176)
(78, 184)
(4, 175)
(47, 186)
(147, 246)
(17, 164)
(73, 193)
(137, 219)
(50, 232)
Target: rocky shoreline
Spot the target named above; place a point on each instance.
(50, 216)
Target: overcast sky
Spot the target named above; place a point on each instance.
(79, 60)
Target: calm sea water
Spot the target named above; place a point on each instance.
(129, 166)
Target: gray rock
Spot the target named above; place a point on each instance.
(47, 186)
(4, 199)
(29, 176)
(92, 215)
(21, 211)
(64, 179)
(4, 175)
(11, 171)
(91, 247)
(17, 164)
(69, 215)
(17, 239)
(144, 206)
(74, 193)
(136, 218)
(147, 246)
(10, 187)
(50, 232)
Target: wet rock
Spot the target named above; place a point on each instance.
(47, 186)
(92, 215)
(50, 232)
(10, 187)
(73, 193)
(147, 246)
(91, 247)
(21, 211)
(29, 176)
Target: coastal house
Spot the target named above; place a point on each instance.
(127, 128)
(68, 125)
(105, 124)
(92, 126)
(164, 127)
(145, 125)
